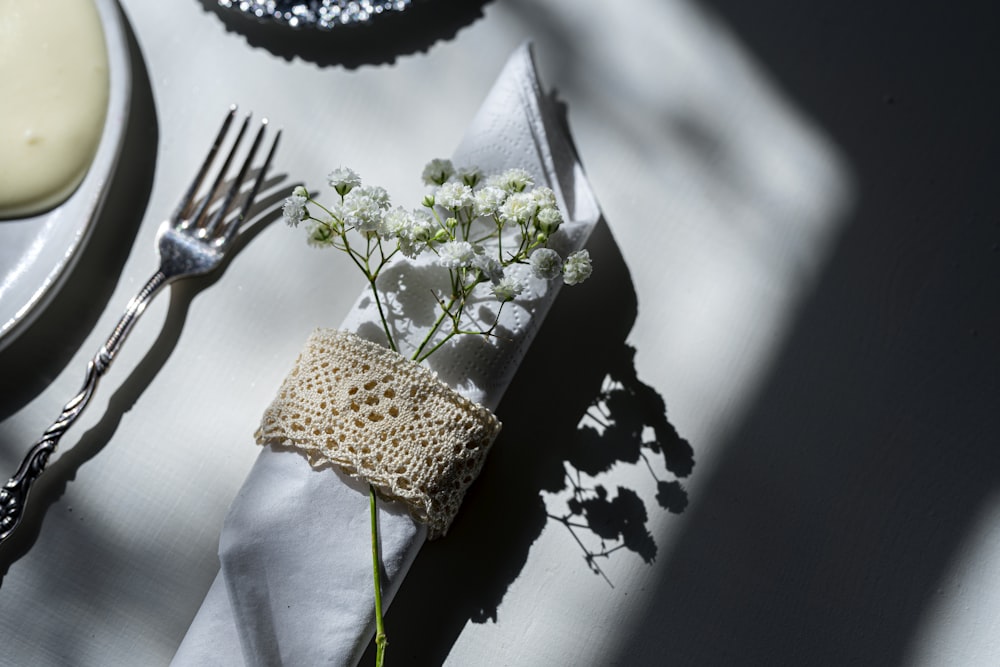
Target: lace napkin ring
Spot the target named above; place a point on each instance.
(382, 418)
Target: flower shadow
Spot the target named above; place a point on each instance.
(578, 364)
(626, 423)
(412, 294)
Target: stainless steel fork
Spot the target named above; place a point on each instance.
(193, 241)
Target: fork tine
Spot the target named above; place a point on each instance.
(233, 227)
(189, 194)
(220, 177)
(213, 224)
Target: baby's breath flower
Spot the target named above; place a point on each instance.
(577, 267)
(413, 240)
(488, 200)
(544, 197)
(456, 254)
(438, 171)
(549, 219)
(518, 209)
(294, 210)
(395, 222)
(512, 180)
(444, 225)
(507, 288)
(343, 180)
(320, 233)
(469, 175)
(491, 268)
(453, 195)
(422, 227)
(410, 247)
(363, 207)
(546, 263)
(379, 195)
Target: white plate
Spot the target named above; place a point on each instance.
(37, 252)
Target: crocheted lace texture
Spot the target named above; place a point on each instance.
(380, 417)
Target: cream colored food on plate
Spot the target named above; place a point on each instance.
(53, 100)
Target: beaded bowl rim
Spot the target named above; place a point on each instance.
(323, 15)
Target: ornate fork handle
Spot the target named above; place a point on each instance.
(14, 494)
(193, 241)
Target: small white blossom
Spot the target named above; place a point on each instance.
(422, 227)
(577, 267)
(395, 223)
(507, 288)
(544, 197)
(488, 200)
(363, 207)
(456, 254)
(438, 171)
(409, 247)
(320, 233)
(468, 175)
(549, 219)
(490, 266)
(293, 211)
(453, 195)
(512, 180)
(379, 195)
(300, 191)
(343, 180)
(546, 263)
(413, 239)
(518, 209)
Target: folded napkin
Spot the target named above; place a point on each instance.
(295, 585)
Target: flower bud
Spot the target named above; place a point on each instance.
(549, 220)
(428, 201)
(441, 236)
(451, 223)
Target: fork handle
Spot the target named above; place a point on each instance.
(14, 493)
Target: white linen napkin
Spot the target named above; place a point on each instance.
(295, 585)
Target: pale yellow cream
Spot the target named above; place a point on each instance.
(53, 100)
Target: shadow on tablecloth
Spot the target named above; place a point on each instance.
(574, 410)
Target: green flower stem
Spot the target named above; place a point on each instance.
(435, 348)
(380, 638)
(499, 224)
(381, 315)
(445, 312)
(363, 263)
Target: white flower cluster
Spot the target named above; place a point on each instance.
(476, 227)
(512, 206)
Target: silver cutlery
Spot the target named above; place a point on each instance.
(193, 241)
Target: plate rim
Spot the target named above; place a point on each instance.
(87, 200)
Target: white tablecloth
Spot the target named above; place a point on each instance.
(798, 269)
